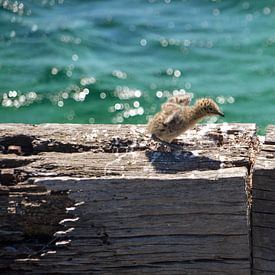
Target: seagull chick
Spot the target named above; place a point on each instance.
(176, 116)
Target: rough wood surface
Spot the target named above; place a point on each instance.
(270, 135)
(107, 199)
(263, 207)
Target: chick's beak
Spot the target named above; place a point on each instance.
(220, 113)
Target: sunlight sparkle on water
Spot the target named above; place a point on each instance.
(102, 95)
(54, 71)
(18, 99)
(91, 120)
(136, 104)
(177, 73)
(224, 100)
(159, 94)
(266, 10)
(119, 74)
(143, 42)
(74, 57)
(87, 81)
(13, 6)
(124, 92)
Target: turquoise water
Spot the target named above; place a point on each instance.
(71, 61)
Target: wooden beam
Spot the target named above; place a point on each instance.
(108, 199)
(263, 207)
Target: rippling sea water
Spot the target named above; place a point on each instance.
(70, 61)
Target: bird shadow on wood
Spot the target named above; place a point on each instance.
(180, 161)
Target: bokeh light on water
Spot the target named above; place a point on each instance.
(117, 61)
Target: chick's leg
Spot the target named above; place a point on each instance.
(170, 145)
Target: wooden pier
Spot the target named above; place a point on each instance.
(106, 199)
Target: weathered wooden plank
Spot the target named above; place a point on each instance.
(197, 151)
(93, 199)
(128, 164)
(72, 137)
(263, 213)
(270, 135)
(119, 228)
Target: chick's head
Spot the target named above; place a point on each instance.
(207, 107)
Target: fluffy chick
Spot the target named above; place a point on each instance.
(176, 117)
